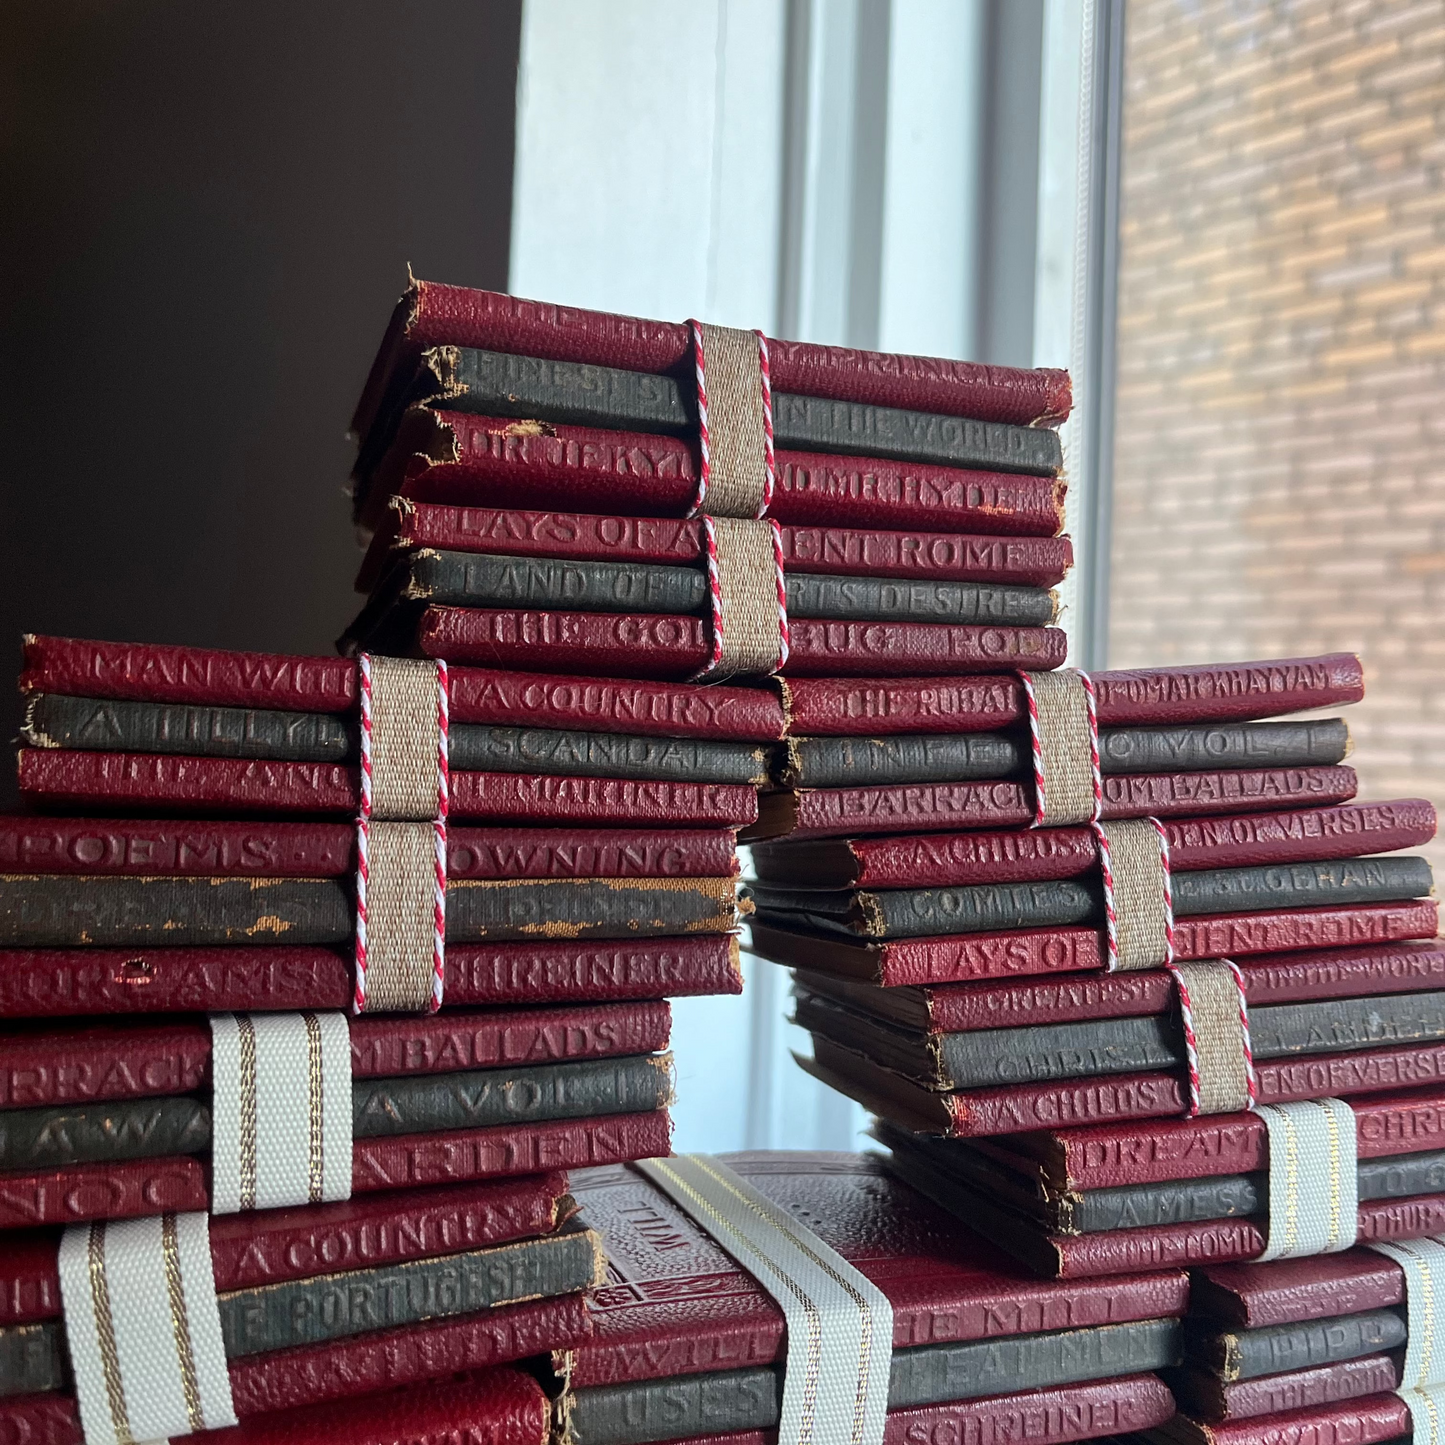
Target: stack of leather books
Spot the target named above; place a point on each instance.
(916, 503)
(687, 1345)
(1337, 1347)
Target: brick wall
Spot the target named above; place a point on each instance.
(1280, 466)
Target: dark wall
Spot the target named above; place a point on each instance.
(208, 212)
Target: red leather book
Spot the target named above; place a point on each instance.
(957, 958)
(1287, 1291)
(56, 982)
(432, 314)
(1023, 1108)
(410, 1161)
(267, 1246)
(1214, 1403)
(1214, 692)
(946, 807)
(675, 1304)
(222, 849)
(1282, 978)
(152, 672)
(581, 536)
(1352, 1422)
(135, 1058)
(662, 646)
(176, 782)
(1034, 854)
(1107, 1155)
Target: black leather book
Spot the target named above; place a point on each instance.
(984, 1058)
(691, 1405)
(497, 384)
(921, 912)
(58, 1135)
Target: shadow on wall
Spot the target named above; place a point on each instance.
(209, 212)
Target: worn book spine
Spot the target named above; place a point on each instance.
(458, 1155)
(845, 551)
(531, 798)
(1224, 745)
(1312, 1288)
(847, 649)
(589, 852)
(513, 909)
(866, 599)
(332, 1306)
(856, 762)
(38, 910)
(73, 1193)
(185, 784)
(206, 848)
(427, 1351)
(50, 1419)
(1139, 1206)
(1352, 1422)
(444, 1043)
(1217, 692)
(966, 1370)
(676, 1407)
(155, 672)
(120, 1129)
(1213, 1402)
(1246, 1354)
(428, 1103)
(1269, 931)
(31, 1359)
(1302, 885)
(614, 705)
(70, 1066)
(476, 748)
(112, 725)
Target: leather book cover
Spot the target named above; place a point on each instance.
(140, 1058)
(1351, 1422)
(1286, 978)
(1285, 1291)
(674, 648)
(267, 1246)
(946, 807)
(1214, 692)
(187, 784)
(675, 1304)
(844, 551)
(48, 983)
(1351, 830)
(121, 1190)
(1017, 953)
(432, 314)
(1214, 1403)
(1232, 1355)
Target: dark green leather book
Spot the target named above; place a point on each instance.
(64, 911)
(989, 1057)
(475, 748)
(333, 1306)
(32, 1358)
(690, 1405)
(1273, 1349)
(868, 599)
(859, 762)
(108, 725)
(58, 1135)
(428, 1103)
(495, 384)
(922, 912)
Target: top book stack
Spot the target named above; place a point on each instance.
(570, 490)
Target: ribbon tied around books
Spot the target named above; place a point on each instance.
(748, 597)
(280, 1110)
(840, 1324)
(1313, 1185)
(144, 1329)
(1422, 1371)
(401, 835)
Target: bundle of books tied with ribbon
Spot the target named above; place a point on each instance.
(798, 1297)
(1339, 1347)
(1102, 1031)
(728, 505)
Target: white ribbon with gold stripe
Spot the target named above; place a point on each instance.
(1423, 1262)
(840, 1324)
(143, 1329)
(1313, 1188)
(280, 1110)
(1427, 1414)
